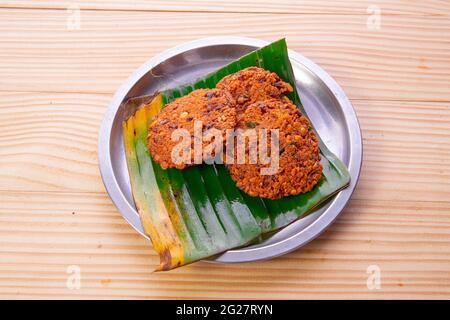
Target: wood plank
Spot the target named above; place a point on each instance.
(406, 150)
(408, 58)
(49, 143)
(42, 233)
(433, 7)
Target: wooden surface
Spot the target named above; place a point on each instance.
(55, 85)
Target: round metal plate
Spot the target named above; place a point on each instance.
(326, 105)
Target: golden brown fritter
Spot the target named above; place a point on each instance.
(210, 106)
(252, 84)
(299, 160)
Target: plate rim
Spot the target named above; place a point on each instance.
(245, 254)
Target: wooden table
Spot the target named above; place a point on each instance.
(59, 68)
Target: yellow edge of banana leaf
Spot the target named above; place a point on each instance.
(155, 216)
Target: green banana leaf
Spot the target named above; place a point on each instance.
(198, 212)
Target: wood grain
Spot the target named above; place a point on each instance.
(430, 7)
(50, 141)
(409, 241)
(406, 59)
(56, 83)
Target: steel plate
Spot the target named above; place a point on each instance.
(325, 103)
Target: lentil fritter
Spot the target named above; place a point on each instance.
(299, 160)
(252, 98)
(252, 84)
(210, 106)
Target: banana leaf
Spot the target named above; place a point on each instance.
(198, 212)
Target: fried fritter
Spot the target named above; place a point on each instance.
(209, 106)
(252, 84)
(299, 167)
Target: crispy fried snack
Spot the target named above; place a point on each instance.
(210, 107)
(252, 84)
(299, 167)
